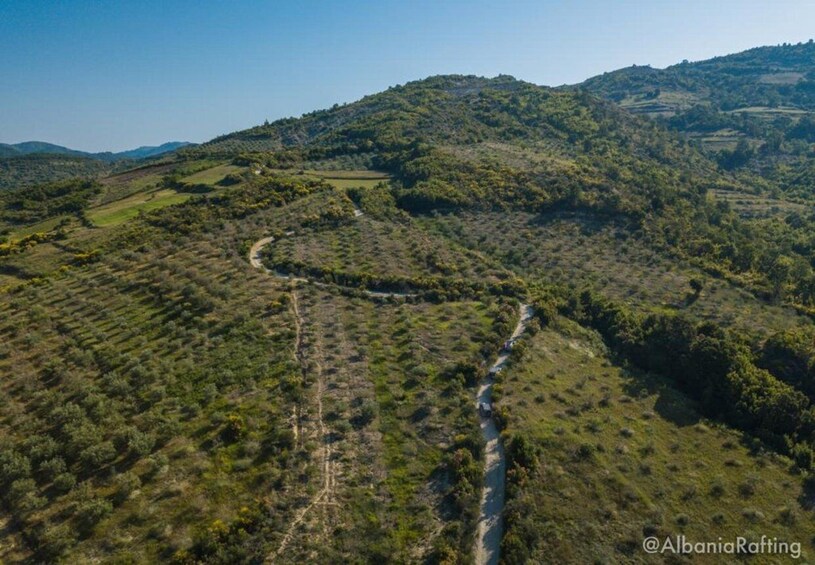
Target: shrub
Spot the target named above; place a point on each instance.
(13, 466)
(52, 541)
(365, 414)
(802, 455)
(140, 443)
(97, 456)
(234, 428)
(747, 488)
(22, 496)
(126, 484)
(521, 452)
(717, 488)
(51, 468)
(584, 451)
(156, 464)
(90, 512)
(64, 482)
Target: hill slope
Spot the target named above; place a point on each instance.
(165, 397)
(753, 110)
(29, 163)
(463, 132)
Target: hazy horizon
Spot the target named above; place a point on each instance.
(114, 77)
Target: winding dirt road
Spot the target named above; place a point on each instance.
(256, 261)
(490, 526)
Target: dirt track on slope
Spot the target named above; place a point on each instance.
(256, 261)
(490, 526)
(490, 523)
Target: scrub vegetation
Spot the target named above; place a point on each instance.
(165, 397)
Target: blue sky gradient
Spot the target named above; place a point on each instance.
(114, 75)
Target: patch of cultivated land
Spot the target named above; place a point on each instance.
(39, 227)
(343, 179)
(148, 391)
(49, 257)
(212, 175)
(578, 250)
(119, 211)
(749, 205)
(621, 456)
(205, 417)
(393, 417)
(382, 248)
(126, 195)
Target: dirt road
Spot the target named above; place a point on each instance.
(256, 261)
(490, 527)
(488, 538)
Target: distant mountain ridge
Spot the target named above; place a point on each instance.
(42, 147)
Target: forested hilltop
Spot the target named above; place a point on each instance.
(753, 112)
(269, 346)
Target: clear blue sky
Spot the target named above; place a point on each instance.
(111, 75)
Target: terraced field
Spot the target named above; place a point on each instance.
(199, 406)
(580, 251)
(393, 419)
(752, 206)
(383, 248)
(168, 383)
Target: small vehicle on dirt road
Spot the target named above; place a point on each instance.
(484, 409)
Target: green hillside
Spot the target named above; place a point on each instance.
(33, 162)
(752, 111)
(18, 171)
(269, 347)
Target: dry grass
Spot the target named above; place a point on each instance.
(624, 456)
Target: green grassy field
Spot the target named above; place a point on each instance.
(127, 208)
(343, 179)
(213, 175)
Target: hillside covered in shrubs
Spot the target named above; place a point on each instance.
(167, 397)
